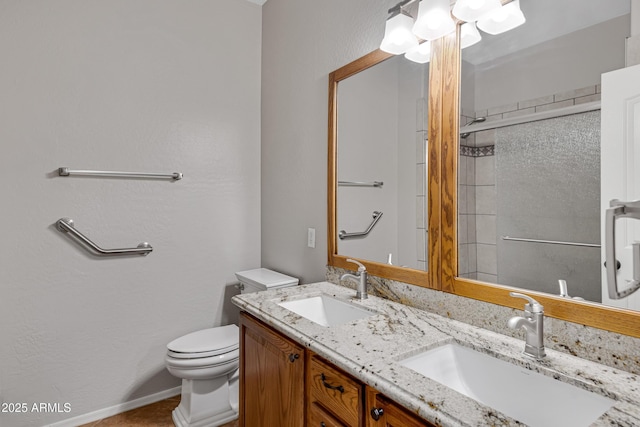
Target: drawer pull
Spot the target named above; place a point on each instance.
(322, 424)
(293, 357)
(332, 387)
(376, 413)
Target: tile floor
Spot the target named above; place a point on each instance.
(154, 415)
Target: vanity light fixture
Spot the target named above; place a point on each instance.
(472, 10)
(398, 37)
(403, 35)
(420, 54)
(469, 35)
(434, 20)
(505, 18)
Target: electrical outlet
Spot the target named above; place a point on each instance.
(311, 237)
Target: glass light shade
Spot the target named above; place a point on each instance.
(398, 37)
(469, 35)
(434, 20)
(503, 19)
(471, 10)
(420, 53)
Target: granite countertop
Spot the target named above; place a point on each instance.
(370, 348)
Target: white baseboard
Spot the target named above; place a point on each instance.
(117, 409)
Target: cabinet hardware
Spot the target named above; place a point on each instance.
(322, 424)
(293, 357)
(376, 413)
(329, 386)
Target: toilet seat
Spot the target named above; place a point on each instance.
(205, 343)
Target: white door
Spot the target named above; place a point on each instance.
(620, 169)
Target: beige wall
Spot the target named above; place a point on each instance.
(144, 85)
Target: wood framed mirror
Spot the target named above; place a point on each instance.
(620, 320)
(369, 143)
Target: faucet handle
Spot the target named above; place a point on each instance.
(535, 306)
(361, 267)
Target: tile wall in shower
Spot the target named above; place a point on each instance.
(477, 212)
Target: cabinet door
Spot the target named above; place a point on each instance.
(271, 377)
(382, 412)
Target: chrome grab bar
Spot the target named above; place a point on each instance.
(68, 172)
(617, 210)
(552, 242)
(376, 217)
(377, 184)
(66, 225)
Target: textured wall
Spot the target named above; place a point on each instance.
(303, 41)
(150, 85)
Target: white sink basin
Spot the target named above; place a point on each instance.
(326, 310)
(526, 396)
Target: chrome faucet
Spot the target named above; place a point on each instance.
(361, 277)
(533, 324)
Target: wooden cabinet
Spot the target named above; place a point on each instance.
(383, 412)
(334, 393)
(282, 385)
(271, 377)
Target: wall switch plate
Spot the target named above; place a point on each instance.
(311, 237)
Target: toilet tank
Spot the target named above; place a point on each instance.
(262, 279)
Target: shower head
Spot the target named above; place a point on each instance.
(476, 120)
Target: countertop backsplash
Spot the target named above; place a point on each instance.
(597, 345)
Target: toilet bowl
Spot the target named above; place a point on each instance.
(207, 362)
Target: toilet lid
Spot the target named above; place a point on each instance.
(207, 342)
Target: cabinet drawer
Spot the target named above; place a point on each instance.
(318, 417)
(335, 391)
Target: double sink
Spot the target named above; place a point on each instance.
(527, 396)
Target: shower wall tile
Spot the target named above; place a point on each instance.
(484, 277)
(576, 93)
(485, 170)
(463, 259)
(494, 117)
(598, 88)
(588, 98)
(517, 113)
(502, 109)
(462, 199)
(555, 105)
(421, 207)
(485, 137)
(471, 199)
(463, 229)
(471, 171)
(473, 258)
(485, 199)
(421, 245)
(487, 259)
(522, 105)
(420, 179)
(486, 229)
(462, 170)
(421, 147)
(471, 229)
(481, 113)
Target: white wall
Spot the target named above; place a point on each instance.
(303, 41)
(145, 85)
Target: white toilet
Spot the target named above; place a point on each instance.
(207, 361)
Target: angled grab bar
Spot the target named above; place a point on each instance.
(376, 217)
(66, 225)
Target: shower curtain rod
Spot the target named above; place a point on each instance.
(533, 117)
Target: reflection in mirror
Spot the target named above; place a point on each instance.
(381, 164)
(529, 208)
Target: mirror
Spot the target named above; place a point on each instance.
(377, 167)
(529, 208)
(381, 164)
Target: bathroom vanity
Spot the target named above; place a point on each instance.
(296, 371)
